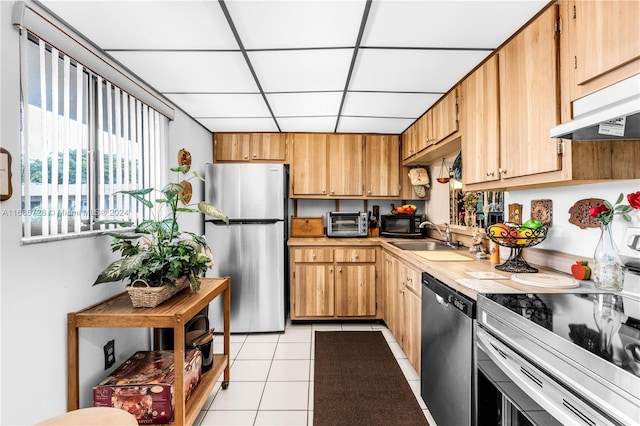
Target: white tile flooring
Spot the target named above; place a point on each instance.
(272, 377)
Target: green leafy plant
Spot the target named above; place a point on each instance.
(156, 251)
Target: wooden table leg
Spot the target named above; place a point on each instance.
(227, 333)
(73, 375)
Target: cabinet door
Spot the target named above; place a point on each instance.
(480, 125)
(410, 277)
(309, 164)
(409, 141)
(313, 288)
(382, 166)
(605, 37)
(445, 117)
(412, 311)
(424, 136)
(529, 104)
(232, 146)
(391, 287)
(268, 146)
(355, 290)
(345, 159)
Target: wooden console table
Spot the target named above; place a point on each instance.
(173, 313)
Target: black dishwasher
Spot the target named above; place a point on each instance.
(447, 368)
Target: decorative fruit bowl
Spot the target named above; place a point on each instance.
(517, 237)
(405, 209)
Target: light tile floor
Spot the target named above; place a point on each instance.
(272, 377)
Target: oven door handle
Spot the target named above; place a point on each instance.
(543, 389)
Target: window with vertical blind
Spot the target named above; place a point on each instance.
(84, 139)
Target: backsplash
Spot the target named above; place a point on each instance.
(564, 236)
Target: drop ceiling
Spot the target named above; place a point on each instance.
(351, 66)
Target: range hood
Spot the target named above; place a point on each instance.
(608, 114)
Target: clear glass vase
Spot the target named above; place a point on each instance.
(608, 270)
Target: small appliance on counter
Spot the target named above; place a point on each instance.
(401, 226)
(347, 224)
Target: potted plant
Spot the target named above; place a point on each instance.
(156, 255)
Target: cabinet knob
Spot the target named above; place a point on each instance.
(255, 155)
(332, 191)
(339, 269)
(356, 256)
(490, 173)
(324, 191)
(330, 269)
(369, 192)
(246, 156)
(502, 171)
(313, 255)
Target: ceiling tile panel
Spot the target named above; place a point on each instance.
(302, 70)
(412, 70)
(148, 25)
(399, 105)
(373, 125)
(191, 71)
(307, 124)
(305, 104)
(458, 24)
(296, 24)
(239, 124)
(221, 104)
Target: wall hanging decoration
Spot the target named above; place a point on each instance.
(420, 180)
(515, 213)
(542, 210)
(184, 159)
(6, 190)
(443, 176)
(579, 213)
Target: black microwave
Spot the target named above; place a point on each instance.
(401, 226)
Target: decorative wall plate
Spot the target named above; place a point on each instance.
(515, 213)
(579, 213)
(184, 159)
(186, 194)
(542, 210)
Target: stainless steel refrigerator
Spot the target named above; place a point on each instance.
(252, 248)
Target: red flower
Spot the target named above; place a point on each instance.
(595, 211)
(634, 199)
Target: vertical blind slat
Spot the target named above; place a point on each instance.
(77, 223)
(52, 213)
(26, 134)
(44, 190)
(98, 152)
(64, 218)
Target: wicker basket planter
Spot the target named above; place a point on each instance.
(144, 296)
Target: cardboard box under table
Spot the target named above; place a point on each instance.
(143, 385)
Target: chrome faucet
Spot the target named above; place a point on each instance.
(446, 237)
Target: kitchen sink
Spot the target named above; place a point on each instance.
(421, 245)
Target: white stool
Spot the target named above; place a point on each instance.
(93, 416)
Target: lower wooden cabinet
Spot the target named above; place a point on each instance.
(402, 305)
(332, 283)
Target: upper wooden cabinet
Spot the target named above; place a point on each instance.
(435, 134)
(346, 165)
(308, 164)
(246, 147)
(529, 102)
(603, 46)
(480, 124)
(382, 165)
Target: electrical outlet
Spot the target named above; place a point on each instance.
(109, 354)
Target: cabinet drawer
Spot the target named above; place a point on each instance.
(359, 255)
(411, 278)
(313, 255)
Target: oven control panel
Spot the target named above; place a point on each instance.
(630, 248)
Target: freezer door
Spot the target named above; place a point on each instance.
(253, 255)
(247, 191)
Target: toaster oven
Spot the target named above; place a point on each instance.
(347, 224)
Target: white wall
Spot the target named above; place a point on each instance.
(41, 283)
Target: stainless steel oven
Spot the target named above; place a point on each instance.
(553, 358)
